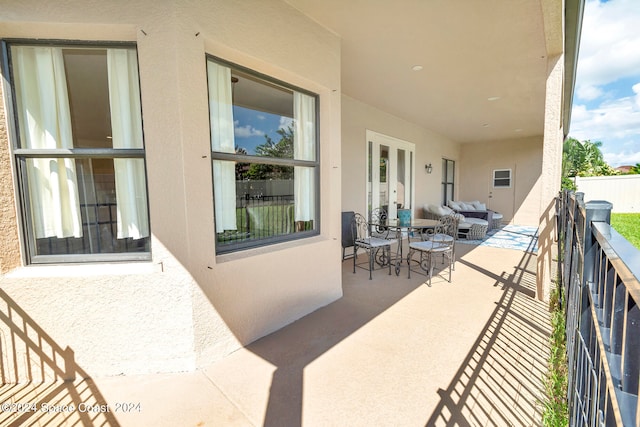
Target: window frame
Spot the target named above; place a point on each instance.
(20, 155)
(510, 178)
(248, 158)
(446, 163)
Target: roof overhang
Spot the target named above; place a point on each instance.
(574, 11)
(484, 65)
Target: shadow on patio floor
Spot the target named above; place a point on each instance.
(394, 352)
(41, 382)
(500, 381)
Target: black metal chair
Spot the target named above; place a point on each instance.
(377, 248)
(347, 232)
(440, 241)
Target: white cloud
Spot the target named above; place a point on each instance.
(616, 123)
(619, 118)
(588, 92)
(246, 131)
(609, 44)
(609, 52)
(623, 158)
(285, 122)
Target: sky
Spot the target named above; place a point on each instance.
(250, 127)
(606, 105)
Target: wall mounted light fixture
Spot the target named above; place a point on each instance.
(429, 168)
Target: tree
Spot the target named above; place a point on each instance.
(281, 149)
(582, 159)
(635, 169)
(241, 168)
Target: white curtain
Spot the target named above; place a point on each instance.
(304, 135)
(222, 140)
(45, 123)
(126, 128)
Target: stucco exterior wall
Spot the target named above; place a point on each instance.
(10, 253)
(524, 157)
(551, 174)
(188, 307)
(357, 118)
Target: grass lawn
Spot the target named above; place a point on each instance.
(627, 224)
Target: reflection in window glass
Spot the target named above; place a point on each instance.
(263, 149)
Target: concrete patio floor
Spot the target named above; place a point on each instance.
(391, 352)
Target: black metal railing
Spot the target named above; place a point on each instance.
(99, 231)
(260, 218)
(599, 273)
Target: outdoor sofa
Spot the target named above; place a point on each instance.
(477, 209)
(469, 228)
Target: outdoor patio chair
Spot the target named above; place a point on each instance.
(448, 232)
(347, 233)
(473, 228)
(378, 220)
(436, 242)
(378, 249)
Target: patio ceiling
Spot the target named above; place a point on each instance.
(484, 63)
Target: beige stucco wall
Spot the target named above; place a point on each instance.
(187, 307)
(10, 253)
(551, 175)
(431, 147)
(524, 157)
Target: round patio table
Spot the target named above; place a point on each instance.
(416, 224)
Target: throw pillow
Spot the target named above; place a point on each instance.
(459, 217)
(479, 206)
(447, 210)
(454, 205)
(433, 208)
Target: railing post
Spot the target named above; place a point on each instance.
(596, 211)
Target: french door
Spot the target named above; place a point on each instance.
(390, 173)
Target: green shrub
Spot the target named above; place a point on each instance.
(556, 413)
(627, 224)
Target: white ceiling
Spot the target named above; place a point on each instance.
(470, 51)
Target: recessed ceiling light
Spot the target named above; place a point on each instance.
(518, 130)
(416, 67)
(493, 98)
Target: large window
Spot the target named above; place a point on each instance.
(264, 154)
(79, 151)
(448, 180)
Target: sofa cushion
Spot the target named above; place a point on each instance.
(438, 209)
(470, 221)
(455, 205)
(434, 209)
(445, 210)
(479, 206)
